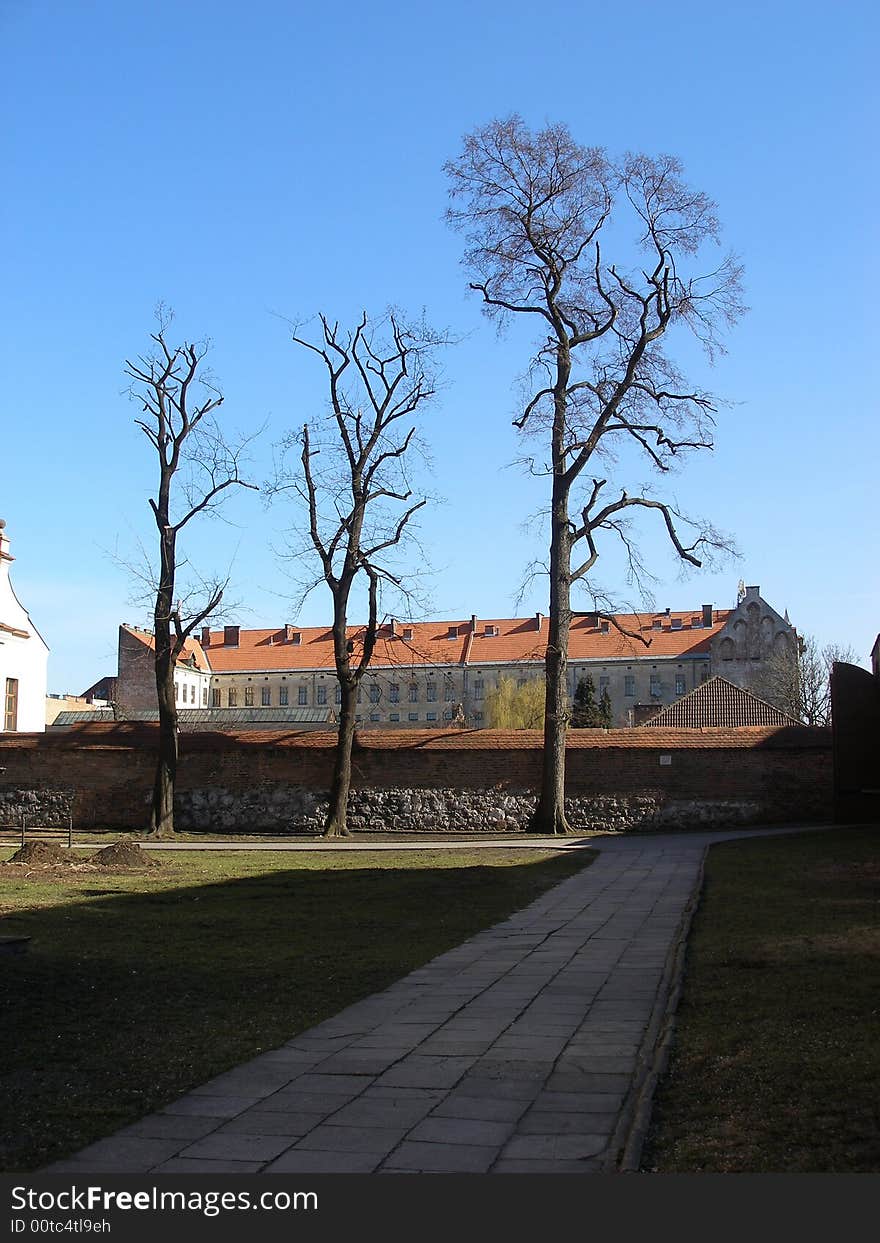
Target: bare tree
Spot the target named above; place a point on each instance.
(353, 476)
(533, 207)
(797, 678)
(197, 466)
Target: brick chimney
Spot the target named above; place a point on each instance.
(707, 615)
(393, 627)
(206, 636)
(230, 636)
(539, 619)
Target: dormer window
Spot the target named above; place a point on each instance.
(657, 624)
(491, 632)
(452, 632)
(296, 637)
(606, 625)
(676, 623)
(407, 632)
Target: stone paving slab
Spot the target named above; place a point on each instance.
(522, 1051)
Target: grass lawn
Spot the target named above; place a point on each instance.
(140, 985)
(776, 1062)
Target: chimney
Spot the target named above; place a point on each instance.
(707, 615)
(288, 634)
(394, 627)
(230, 636)
(473, 623)
(667, 610)
(752, 593)
(539, 619)
(206, 636)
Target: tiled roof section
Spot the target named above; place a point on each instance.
(198, 719)
(412, 643)
(122, 734)
(192, 649)
(511, 640)
(718, 703)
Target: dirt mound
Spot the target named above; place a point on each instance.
(123, 855)
(42, 853)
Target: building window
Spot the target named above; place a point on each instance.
(431, 692)
(322, 694)
(10, 705)
(447, 714)
(302, 696)
(394, 716)
(248, 696)
(704, 673)
(266, 696)
(604, 683)
(520, 683)
(177, 692)
(232, 697)
(414, 693)
(629, 684)
(282, 696)
(375, 692)
(679, 684)
(478, 689)
(394, 693)
(338, 695)
(655, 684)
(449, 691)
(432, 716)
(413, 716)
(478, 716)
(204, 696)
(375, 716)
(215, 697)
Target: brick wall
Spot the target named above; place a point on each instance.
(446, 781)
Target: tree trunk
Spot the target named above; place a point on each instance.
(549, 815)
(336, 824)
(162, 814)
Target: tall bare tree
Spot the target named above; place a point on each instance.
(353, 476)
(197, 466)
(534, 208)
(797, 678)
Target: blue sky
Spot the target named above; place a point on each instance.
(252, 163)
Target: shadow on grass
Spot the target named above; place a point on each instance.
(125, 1000)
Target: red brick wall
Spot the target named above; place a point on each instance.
(788, 771)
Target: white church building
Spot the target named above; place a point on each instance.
(23, 657)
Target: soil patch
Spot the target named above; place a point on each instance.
(123, 855)
(45, 854)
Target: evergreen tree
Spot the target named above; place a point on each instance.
(584, 713)
(606, 712)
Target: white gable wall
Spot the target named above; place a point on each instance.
(23, 654)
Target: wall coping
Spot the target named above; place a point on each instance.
(135, 736)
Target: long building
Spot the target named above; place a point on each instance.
(440, 672)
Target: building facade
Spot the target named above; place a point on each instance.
(23, 657)
(426, 674)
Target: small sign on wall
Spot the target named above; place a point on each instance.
(665, 760)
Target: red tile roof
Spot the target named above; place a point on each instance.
(493, 641)
(130, 734)
(718, 702)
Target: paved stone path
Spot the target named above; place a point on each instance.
(531, 1048)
